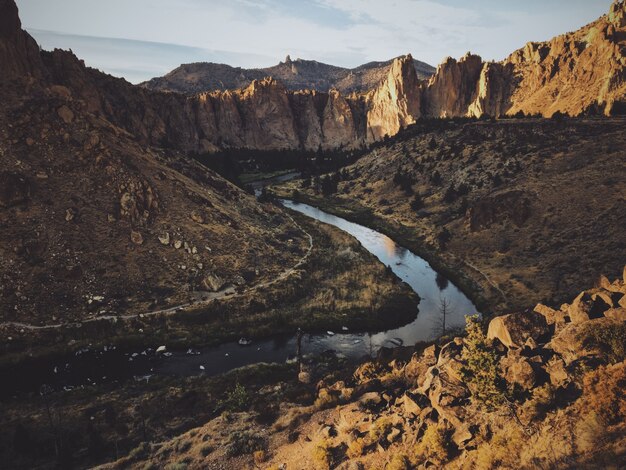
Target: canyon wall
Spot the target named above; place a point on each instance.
(579, 72)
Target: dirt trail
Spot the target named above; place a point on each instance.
(207, 297)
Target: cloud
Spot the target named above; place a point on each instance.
(343, 32)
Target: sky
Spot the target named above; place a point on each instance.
(140, 39)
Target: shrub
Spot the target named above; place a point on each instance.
(398, 462)
(356, 448)
(322, 454)
(260, 456)
(206, 449)
(433, 445)
(238, 399)
(480, 371)
(603, 390)
(379, 429)
(242, 442)
(610, 338)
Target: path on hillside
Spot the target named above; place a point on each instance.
(207, 297)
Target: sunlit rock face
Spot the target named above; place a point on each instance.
(396, 103)
(575, 73)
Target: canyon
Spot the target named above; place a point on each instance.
(505, 180)
(576, 73)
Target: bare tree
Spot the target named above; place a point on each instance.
(441, 320)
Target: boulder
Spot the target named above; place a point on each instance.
(616, 314)
(549, 314)
(557, 371)
(212, 282)
(570, 343)
(418, 365)
(516, 369)
(514, 329)
(165, 238)
(136, 237)
(588, 305)
(66, 114)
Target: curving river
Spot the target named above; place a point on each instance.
(91, 367)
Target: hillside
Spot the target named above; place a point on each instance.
(94, 222)
(295, 75)
(499, 201)
(539, 388)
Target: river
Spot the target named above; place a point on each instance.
(105, 365)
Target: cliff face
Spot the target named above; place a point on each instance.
(396, 103)
(574, 73)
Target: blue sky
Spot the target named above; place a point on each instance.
(140, 39)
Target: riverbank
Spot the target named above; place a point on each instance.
(340, 285)
(468, 280)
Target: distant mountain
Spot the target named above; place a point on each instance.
(294, 74)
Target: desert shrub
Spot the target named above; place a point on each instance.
(242, 443)
(176, 466)
(206, 449)
(356, 448)
(183, 446)
(398, 462)
(480, 371)
(140, 451)
(326, 399)
(501, 451)
(543, 398)
(603, 391)
(379, 429)
(433, 446)
(322, 454)
(610, 338)
(237, 399)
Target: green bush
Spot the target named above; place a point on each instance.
(480, 371)
(243, 443)
(238, 399)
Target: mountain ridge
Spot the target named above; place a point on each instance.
(295, 74)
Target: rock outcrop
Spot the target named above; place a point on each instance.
(575, 73)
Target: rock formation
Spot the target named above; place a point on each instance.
(574, 73)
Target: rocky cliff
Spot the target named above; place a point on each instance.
(574, 73)
(92, 220)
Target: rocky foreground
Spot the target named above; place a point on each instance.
(539, 388)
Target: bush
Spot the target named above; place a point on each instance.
(322, 454)
(480, 371)
(356, 448)
(242, 443)
(433, 446)
(603, 390)
(238, 399)
(379, 429)
(398, 462)
(610, 338)
(260, 456)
